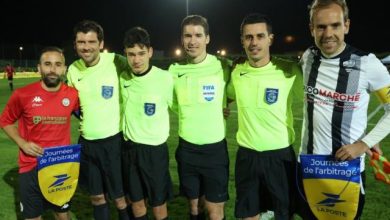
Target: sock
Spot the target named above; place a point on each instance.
(145, 217)
(130, 212)
(122, 214)
(193, 217)
(166, 218)
(101, 212)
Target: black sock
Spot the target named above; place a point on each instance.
(130, 212)
(144, 217)
(193, 217)
(122, 214)
(101, 212)
(201, 216)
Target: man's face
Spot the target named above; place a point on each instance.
(194, 42)
(328, 29)
(138, 58)
(88, 47)
(52, 68)
(256, 42)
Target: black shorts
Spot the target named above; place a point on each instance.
(265, 181)
(203, 170)
(303, 209)
(100, 166)
(32, 202)
(10, 78)
(146, 173)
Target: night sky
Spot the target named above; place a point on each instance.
(37, 23)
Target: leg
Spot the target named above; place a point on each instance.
(160, 212)
(36, 218)
(256, 217)
(139, 208)
(101, 210)
(62, 215)
(215, 210)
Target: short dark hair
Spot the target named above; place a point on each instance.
(318, 4)
(51, 49)
(86, 26)
(136, 35)
(256, 18)
(195, 20)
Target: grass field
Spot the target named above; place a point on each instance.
(377, 199)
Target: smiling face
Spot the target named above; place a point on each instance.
(256, 42)
(195, 40)
(328, 27)
(88, 47)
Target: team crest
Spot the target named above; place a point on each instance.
(107, 91)
(37, 119)
(150, 108)
(65, 102)
(271, 95)
(208, 92)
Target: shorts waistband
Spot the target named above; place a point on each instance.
(268, 153)
(103, 139)
(185, 144)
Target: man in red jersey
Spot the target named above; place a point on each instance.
(43, 110)
(9, 71)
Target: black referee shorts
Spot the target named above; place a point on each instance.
(146, 173)
(203, 170)
(265, 181)
(100, 166)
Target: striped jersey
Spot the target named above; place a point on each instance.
(337, 97)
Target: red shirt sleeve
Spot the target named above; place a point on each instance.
(12, 111)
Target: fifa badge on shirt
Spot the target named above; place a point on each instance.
(208, 92)
(65, 102)
(271, 95)
(107, 91)
(149, 108)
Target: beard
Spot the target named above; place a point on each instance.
(50, 81)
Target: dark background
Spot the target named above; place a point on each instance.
(37, 23)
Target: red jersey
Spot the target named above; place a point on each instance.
(10, 71)
(43, 117)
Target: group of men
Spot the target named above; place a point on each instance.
(124, 125)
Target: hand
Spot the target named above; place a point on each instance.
(32, 149)
(226, 112)
(351, 151)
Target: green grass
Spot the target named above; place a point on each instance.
(377, 199)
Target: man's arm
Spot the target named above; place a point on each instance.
(379, 132)
(29, 148)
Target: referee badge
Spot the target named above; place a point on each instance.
(208, 92)
(149, 109)
(107, 91)
(271, 95)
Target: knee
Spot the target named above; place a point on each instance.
(194, 207)
(98, 200)
(216, 215)
(139, 208)
(120, 203)
(62, 216)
